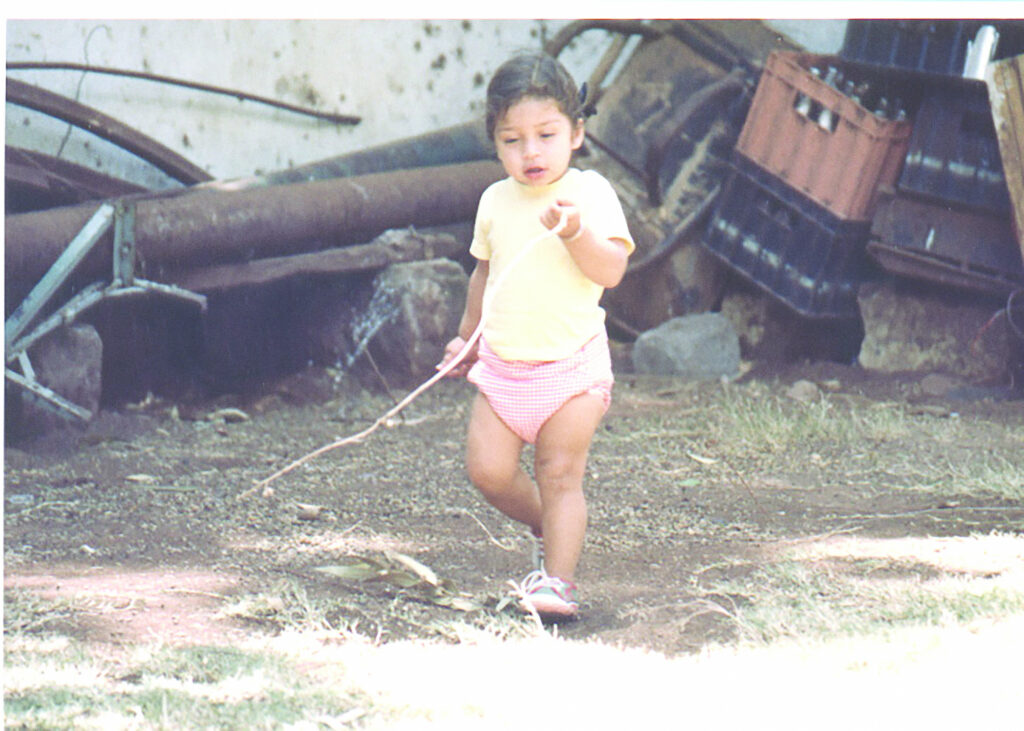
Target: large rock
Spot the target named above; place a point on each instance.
(909, 329)
(698, 347)
(69, 362)
(415, 309)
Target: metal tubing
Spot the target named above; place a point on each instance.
(62, 268)
(36, 180)
(101, 125)
(48, 397)
(201, 227)
(627, 27)
(88, 297)
(146, 76)
(462, 143)
(717, 92)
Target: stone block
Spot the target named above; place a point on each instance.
(925, 330)
(68, 361)
(415, 309)
(697, 347)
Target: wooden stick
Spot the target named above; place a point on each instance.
(441, 373)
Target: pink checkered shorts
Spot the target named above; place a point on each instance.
(525, 394)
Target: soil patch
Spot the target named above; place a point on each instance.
(136, 524)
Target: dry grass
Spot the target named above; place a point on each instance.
(865, 625)
(837, 628)
(310, 680)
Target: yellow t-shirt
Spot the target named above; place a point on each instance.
(546, 308)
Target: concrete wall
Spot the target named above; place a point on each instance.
(819, 36)
(403, 77)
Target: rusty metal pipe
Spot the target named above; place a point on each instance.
(613, 25)
(722, 91)
(462, 143)
(147, 76)
(202, 227)
(101, 125)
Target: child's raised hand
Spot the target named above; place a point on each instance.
(452, 349)
(553, 214)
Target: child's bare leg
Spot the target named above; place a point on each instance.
(560, 462)
(492, 460)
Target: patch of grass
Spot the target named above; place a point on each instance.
(286, 605)
(771, 432)
(753, 419)
(193, 687)
(819, 600)
(50, 681)
(26, 611)
(982, 472)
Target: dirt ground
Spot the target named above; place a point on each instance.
(138, 518)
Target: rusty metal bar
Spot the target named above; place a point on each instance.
(203, 227)
(101, 125)
(67, 262)
(717, 92)
(627, 27)
(146, 76)
(377, 254)
(462, 143)
(709, 44)
(36, 180)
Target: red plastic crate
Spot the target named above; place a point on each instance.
(841, 167)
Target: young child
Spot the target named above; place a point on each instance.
(542, 366)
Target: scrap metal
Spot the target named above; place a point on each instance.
(36, 180)
(17, 336)
(379, 253)
(110, 129)
(192, 228)
(718, 93)
(462, 143)
(241, 95)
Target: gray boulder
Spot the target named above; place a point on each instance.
(69, 362)
(415, 309)
(698, 347)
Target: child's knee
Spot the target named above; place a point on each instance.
(560, 471)
(486, 475)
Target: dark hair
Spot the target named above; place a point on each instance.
(531, 74)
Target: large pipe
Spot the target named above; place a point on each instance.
(148, 76)
(202, 227)
(462, 143)
(101, 125)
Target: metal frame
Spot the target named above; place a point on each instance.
(120, 214)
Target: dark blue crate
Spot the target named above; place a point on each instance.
(970, 250)
(954, 151)
(787, 244)
(935, 47)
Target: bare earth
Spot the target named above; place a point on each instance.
(138, 518)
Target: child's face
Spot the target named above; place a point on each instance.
(535, 141)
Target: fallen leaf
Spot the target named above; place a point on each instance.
(310, 512)
(459, 603)
(424, 572)
(701, 459)
(228, 416)
(358, 571)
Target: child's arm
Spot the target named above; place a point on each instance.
(600, 259)
(470, 319)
